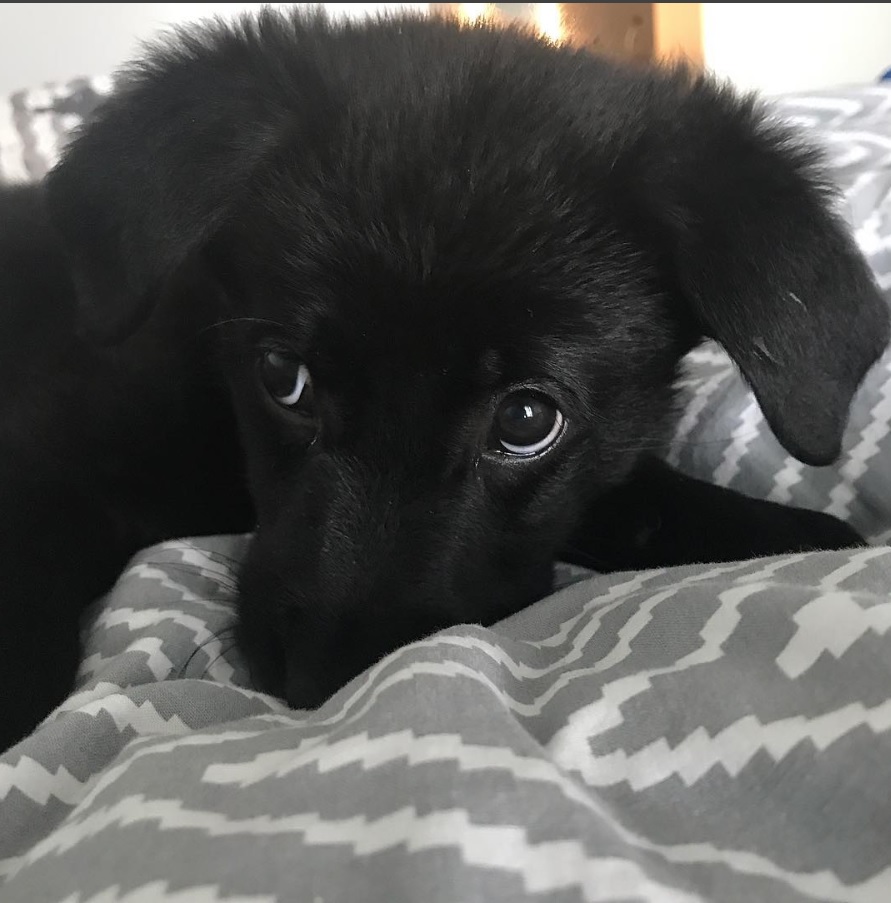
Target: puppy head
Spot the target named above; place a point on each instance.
(460, 269)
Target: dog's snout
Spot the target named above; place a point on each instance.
(327, 656)
(307, 687)
(363, 560)
(348, 522)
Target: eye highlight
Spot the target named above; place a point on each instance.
(287, 381)
(525, 424)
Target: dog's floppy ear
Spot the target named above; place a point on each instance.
(764, 264)
(155, 174)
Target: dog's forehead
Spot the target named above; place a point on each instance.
(445, 221)
(404, 330)
(432, 148)
(483, 234)
(479, 281)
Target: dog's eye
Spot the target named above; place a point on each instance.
(525, 424)
(286, 380)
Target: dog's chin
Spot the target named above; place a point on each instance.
(302, 650)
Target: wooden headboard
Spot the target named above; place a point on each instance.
(641, 32)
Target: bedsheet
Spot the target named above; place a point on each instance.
(701, 733)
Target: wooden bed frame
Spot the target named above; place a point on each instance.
(641, 32)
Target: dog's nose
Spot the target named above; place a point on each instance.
(302, 692)
(308, 686)
(327, 657)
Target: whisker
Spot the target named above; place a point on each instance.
(221, 654)
(215, 556)
(216, 637)
(238, 320)
(586, 559)
(188, 545)
(656, 445)
(229, 581)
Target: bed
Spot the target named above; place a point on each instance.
(707, 733)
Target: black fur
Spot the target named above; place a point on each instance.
(428, 217)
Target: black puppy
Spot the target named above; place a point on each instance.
(410, 298)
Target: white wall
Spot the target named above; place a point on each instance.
(55, 41)
(797, 46)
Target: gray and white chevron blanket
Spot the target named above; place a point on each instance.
(715, 733)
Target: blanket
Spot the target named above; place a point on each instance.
(702, 733)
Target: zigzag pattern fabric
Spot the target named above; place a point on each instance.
(715, 733)
(693, 734)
